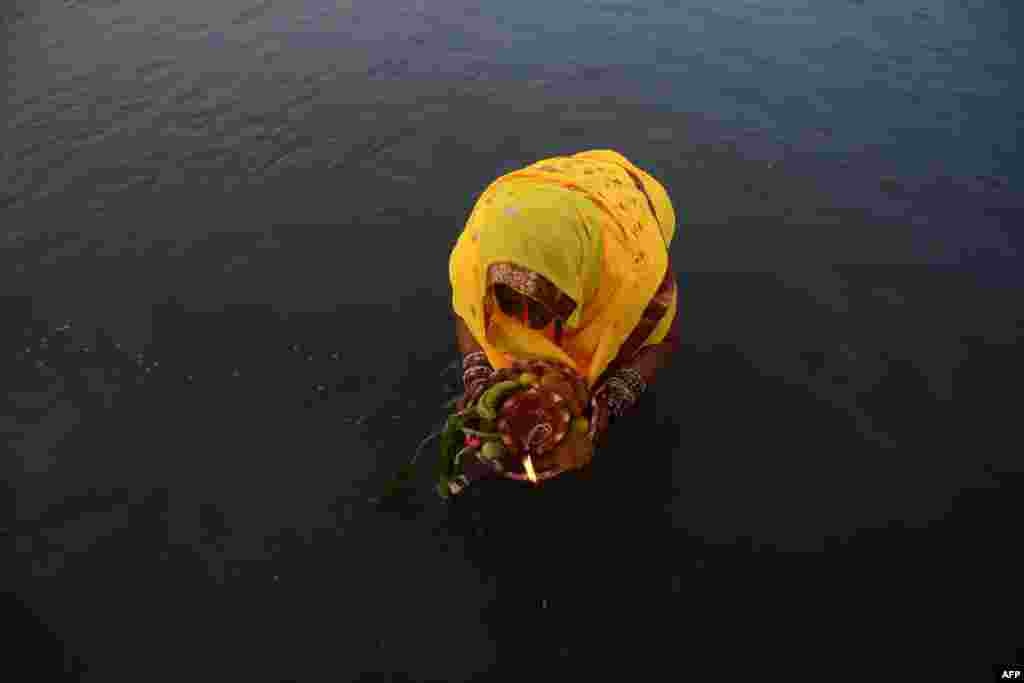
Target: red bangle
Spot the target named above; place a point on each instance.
(473, 359)
(481, 371)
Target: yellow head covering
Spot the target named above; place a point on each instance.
(548, 229)
(583, 222)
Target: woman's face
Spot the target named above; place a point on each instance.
(513, 304)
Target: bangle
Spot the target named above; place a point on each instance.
(620, 398)
(624, 389)
(618, 406)
(474, 388)
(473, 359)
(475, 373)
(632, 379)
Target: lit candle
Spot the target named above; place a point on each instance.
(528, 466)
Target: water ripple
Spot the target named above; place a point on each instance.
(253, 13)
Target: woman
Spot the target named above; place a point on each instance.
(567, 259)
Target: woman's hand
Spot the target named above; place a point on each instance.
(614, 398)
(472, 393)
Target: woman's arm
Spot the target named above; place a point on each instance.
(651, 360)
(623, 397)
(476, 369)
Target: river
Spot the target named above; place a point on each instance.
(225, 229)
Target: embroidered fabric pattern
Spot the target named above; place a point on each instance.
(533, 285)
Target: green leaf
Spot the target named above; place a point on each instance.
(482, 435)
(452, 439)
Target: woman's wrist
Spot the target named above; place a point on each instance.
(630, 380)
(474, 359)
(476, 372)
(649, 361)
(625, 386)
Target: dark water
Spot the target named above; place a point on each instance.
(223, 277)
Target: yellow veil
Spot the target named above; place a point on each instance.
(582, 223)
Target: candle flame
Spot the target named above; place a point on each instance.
(528, 466)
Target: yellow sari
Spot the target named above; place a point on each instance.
(594, 225)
